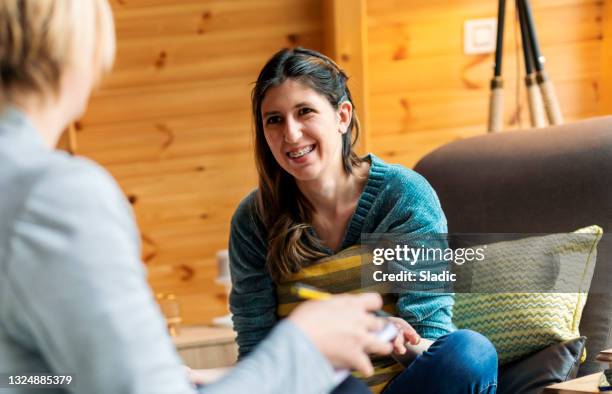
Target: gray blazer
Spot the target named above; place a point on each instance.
(73, 293)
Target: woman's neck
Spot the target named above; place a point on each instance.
(334, 201)
(48, 121)
(332, 195)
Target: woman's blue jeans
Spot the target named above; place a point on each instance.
(460, 362)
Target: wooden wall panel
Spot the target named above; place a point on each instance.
(424, 92)
(346, 41)
(172, 123)
(605, 107)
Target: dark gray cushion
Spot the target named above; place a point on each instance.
(557, 363)
(556, 179)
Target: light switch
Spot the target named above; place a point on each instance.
(479, 36)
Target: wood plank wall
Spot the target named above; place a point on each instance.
(605, 84)
(172, 122)
(425, 92)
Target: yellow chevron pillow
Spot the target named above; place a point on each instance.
(520, 323)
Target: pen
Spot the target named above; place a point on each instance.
(307, 292)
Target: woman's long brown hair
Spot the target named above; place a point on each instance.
(281, 207)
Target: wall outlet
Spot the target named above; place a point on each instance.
(479, 36)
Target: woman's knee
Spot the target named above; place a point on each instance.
(461, 362)
(472, 351)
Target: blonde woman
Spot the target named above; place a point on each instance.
(73, 295)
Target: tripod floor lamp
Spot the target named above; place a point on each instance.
(542, 101)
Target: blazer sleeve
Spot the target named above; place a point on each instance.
(80, 295)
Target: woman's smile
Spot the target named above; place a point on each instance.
(300, 155)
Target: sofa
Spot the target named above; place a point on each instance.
(551, 180)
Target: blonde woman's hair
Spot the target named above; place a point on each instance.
(40, 39)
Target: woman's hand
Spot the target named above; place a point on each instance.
(343, 329)
(406, 334)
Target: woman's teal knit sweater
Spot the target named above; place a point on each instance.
(395, 200)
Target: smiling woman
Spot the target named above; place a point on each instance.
(304, 122)
(314, 200)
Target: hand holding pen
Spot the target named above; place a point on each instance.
(343, 328)
(406, 333)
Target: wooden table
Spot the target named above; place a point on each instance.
(605, 357)
(203, 347)
(585, 384)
